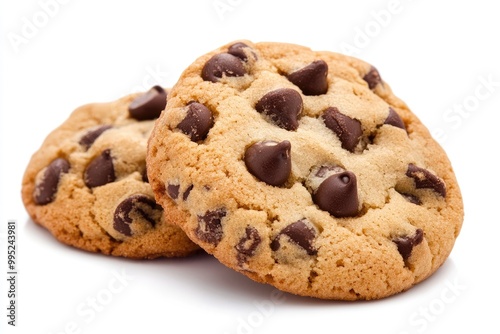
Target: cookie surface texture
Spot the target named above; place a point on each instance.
(87, 184)
(302, 170)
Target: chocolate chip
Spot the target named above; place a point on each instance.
(198, 121)
(425, 179)
(90, 137)
(372, 78)
(238, 50)
(248, 244)
(347, 129)
(338, 194)
(173, 191)
(132, 208)
(269, 161)
(222, 64)
(411, 198)
(186, 193)
(100, 170)
(394, 119)
(312, 78)
(300, 233)
(406, 243)
(46, 186)
(283, 106)
(210, 226)
(148, 105)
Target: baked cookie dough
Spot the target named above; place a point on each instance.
(87, 184)
(301, 169)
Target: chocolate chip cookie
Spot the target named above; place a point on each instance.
(88, 186)
(301, 169)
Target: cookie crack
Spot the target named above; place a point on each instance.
(312, 272)
(113, 243)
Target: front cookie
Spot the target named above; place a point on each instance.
(87, 184)
(301, 169)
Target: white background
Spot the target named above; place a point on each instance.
(442, 58)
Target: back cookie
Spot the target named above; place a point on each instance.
(87, 184)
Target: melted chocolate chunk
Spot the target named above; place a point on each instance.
(301, 234)
(338, 194)
(100, 171)
(173, 191)
(210, 226)
(238, 50)
(248, 244)
(198, 122)
(412, 198)
(372, 78)
(311, 79)
(269, 161)
(222, 64)
(283, 106)
(186, 193)
(425, 179)
(132, 208)
(347, 129)
(90, 137)
(148, 105)
(405, 244)
(394, 119)
(46, 187)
